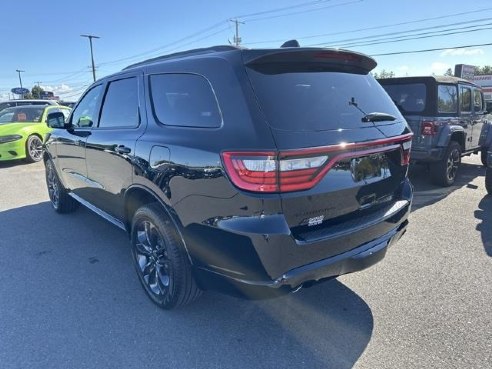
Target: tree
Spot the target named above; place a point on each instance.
(449, 72)
(384, 74)
(487, 69)
(36, 92)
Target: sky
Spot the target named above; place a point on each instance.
(43, 38)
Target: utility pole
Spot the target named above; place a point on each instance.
(90, 37)
(20, 79)
(39, 89)
(237, 39)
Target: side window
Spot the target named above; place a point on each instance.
(447, 99)
(185, 100)
(477, 100)
(120, 106)
(85, 113)
(465, 97)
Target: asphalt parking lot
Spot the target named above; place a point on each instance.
(69, 297)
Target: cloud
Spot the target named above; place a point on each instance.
(461, 52)
(440, 68)
(61, 89)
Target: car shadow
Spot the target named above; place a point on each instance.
(74, 297)
(484, 213)
(426, 193)
(13, 163)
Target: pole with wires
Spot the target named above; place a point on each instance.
(90, 37)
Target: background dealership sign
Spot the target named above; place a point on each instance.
(464, 71)
(19, 91)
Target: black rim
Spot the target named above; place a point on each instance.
(152, 260)
(452, 164)
(53, 186)
(35, 148)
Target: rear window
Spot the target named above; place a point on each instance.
(318, 101)
(185, 100)
(410, 97)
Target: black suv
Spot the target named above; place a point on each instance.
(448, 117)
(253, 172)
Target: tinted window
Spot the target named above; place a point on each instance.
(317, 101)
(409, 97)
(85, 113)
(465, 97)
(184, 100)
(120, 106)
(477, 100)
(447, 99)
(20, 114)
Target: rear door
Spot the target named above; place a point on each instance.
(111, 145)
(334, 162)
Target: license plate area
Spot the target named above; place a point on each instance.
(370, 168)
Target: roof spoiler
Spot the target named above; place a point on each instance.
(310, 57)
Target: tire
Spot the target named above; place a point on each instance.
(483, 157)
(444, 172)
(59, 198)
(488, 180)
(34, 149)
(160, 259)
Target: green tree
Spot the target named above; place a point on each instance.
(449, 72)
(36, 92)
(486, 69)
(384, 74)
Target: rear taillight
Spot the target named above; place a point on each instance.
(405, 152)
(296, 170)
(429, 128)
(265, 172)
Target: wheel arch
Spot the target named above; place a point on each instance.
(137, 196)
(452, 133)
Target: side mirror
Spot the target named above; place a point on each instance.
(56, 120)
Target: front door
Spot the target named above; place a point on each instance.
(466, 116)
(70, 143)
(478, 117)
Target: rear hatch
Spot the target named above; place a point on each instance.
(342, 144)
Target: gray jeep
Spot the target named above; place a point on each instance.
(448, 117)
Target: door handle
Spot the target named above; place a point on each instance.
(122, 149)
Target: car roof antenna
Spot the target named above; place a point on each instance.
(291, 43)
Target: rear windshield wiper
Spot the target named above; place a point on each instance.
(372, 117)
(378, 117)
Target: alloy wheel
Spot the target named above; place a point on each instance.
(153, 263)
(453, 163)
(35, 148)
(53, 186)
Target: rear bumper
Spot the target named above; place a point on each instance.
(429, 155)
(263, 265)
(354, 260)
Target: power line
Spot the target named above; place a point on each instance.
(390, 36)
(434, 49)
(376, 27)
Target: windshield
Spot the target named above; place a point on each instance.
(319, 101)
(410, 97)
(20, 114)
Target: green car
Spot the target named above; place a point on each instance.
(23, 130)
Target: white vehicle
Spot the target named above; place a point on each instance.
(11, 103)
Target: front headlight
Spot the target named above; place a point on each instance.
(10, 138)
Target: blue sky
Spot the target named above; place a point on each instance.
(43, 38)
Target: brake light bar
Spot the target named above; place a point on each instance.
(297, 170)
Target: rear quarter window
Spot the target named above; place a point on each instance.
(447, 99)
(184, 100)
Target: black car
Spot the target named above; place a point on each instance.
(449, 118)
(253, 172)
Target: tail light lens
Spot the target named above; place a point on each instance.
(429, 128)
(297, 170)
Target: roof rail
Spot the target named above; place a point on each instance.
(206, 50)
